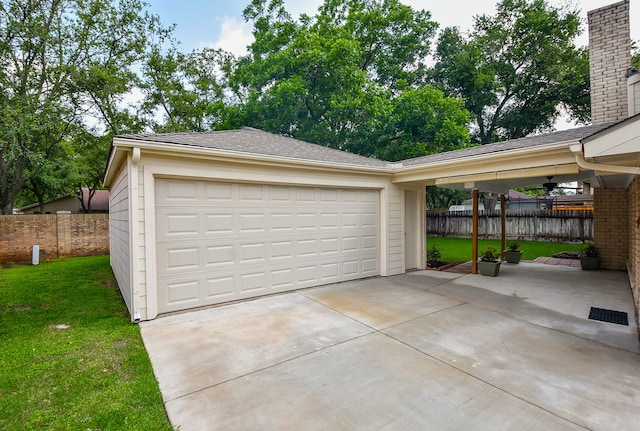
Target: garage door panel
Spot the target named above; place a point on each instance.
(217, 192)
(182, 259)
(252, 253)
(220, 288)
(180, 191)
(236, 241)
(183, 292)
(219, 223)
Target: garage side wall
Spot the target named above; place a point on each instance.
(119, 235)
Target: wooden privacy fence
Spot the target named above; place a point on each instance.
(530, 225)
(58, 235)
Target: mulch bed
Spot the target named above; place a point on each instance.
(567, 255)
(439, 266)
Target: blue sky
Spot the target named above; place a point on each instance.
(220, 24)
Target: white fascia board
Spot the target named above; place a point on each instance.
(116, 159)
(488, 162)
(227, 155)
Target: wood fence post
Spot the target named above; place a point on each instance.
(503, 226)
(474, 234)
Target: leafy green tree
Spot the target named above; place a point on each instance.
(438, 198)
(393, 39)
(61, 63)
(349, 77)
(50, 179)
(516, 70)
(189, 91)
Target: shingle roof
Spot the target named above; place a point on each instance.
(514, 144)
(252, 141)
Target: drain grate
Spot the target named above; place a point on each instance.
(611, 316)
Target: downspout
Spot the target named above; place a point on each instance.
(576, 149)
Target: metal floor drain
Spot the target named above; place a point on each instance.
(610, 316)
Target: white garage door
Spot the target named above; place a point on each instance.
(219, 242)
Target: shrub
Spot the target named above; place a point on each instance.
(513, 245)
(489, 255)
(433, 254)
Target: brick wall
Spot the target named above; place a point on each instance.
(58, 235)
(610, 227)
(633, 196)
(609, 58)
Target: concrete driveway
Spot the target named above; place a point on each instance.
(424, 351)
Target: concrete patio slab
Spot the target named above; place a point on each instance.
(422, 350)
(203, 348)
(370, 383)
(381, 302)
(566, 375)
(557, 297)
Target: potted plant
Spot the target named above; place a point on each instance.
(489, 264)
(512, 254)
(589, 258)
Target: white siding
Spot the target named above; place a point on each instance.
(119, 235)
(396, 230)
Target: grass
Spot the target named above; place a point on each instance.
(459, 249)
(70, 358)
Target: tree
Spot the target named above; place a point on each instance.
(52, 178)
(517, 71)
(190, 91)
(438, 198)
(349, 78)
(61, 62)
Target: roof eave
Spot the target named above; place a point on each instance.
(237, 156)
(490, 162)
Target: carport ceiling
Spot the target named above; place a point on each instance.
(529, 161)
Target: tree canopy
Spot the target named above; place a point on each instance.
(517, 70)
(371, 77)
(351, 77)
(63, 62)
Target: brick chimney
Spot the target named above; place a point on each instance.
(609, 59)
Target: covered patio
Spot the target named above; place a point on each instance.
(605, 156)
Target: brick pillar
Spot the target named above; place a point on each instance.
(64, 233)
(610, 227)
(633, 197)
(609, 59)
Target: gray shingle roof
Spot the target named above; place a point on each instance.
(514, 144)
(253, 141)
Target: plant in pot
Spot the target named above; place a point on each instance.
(489, 264)
(589, 258)
(512, 254)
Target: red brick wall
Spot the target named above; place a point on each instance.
(58, 235)
(610, 227)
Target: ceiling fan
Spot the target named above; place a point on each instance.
(549, 186)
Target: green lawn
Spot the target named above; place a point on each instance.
(459, 249)
(70, 359)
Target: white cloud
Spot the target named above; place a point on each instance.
(235, 35)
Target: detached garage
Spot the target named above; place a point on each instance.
(199, 219)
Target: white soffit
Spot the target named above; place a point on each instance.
(619, 141)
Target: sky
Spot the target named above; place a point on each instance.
(219, 23)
